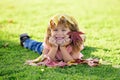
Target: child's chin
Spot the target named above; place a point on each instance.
(59, 42)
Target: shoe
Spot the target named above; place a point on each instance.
(23, 37)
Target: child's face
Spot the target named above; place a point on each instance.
(60, 32)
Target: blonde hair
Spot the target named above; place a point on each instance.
(67, 21)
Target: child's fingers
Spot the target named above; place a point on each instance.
(68, 40)
(52, 38)
(65, 42)
(53, 41)
(33, 64)
(28, 61)
(66, 36)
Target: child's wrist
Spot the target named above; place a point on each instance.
(54, 47)
(62, 47)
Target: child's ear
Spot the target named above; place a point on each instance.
(52, 24)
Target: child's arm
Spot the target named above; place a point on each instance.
(52, 52)
(38, 59)
(77, 55)
(66, 56)
(35, 60)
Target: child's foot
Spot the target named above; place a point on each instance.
(23, 37)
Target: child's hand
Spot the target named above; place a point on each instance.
(29, 61)
(53, 41)
(66, 41)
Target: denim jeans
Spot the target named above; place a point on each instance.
(33, 45)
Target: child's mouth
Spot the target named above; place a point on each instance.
(59, 38)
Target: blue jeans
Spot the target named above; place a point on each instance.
(33, 45)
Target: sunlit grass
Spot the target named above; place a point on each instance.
(98, 18)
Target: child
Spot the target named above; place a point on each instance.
(62, 44)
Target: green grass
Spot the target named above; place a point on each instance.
(100, 19)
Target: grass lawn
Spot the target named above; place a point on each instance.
(100, 19)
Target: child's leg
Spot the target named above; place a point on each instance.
(33, 45)
(28, 43)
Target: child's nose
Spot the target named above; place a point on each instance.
(59, 32)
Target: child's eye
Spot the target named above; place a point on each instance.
(55, 30)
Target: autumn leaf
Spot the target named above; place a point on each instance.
(75, 36)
